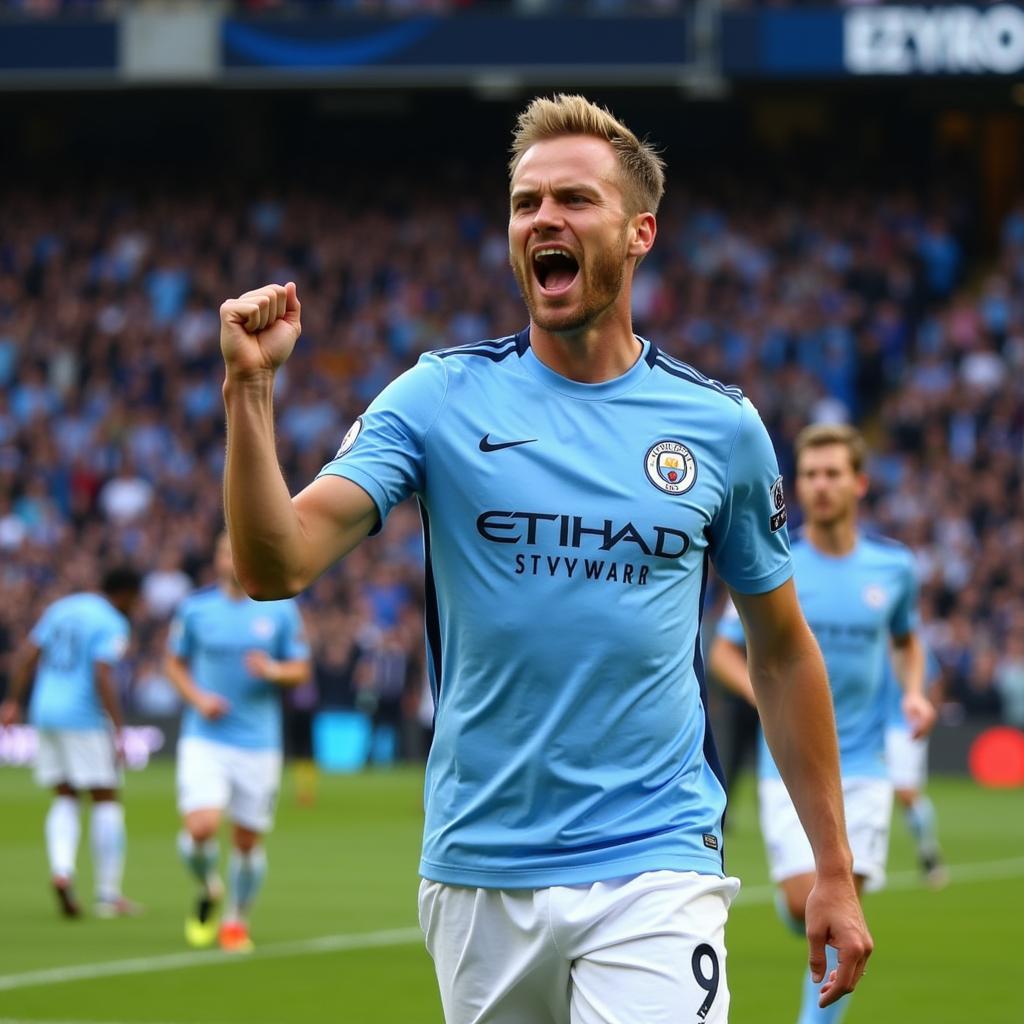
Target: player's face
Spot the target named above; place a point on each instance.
(827, 487)
(568, 231)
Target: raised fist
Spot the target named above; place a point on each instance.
(258, 330)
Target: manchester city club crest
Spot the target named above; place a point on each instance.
(350, 438)
(671, 467)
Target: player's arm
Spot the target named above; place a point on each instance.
(280, 672)
(728, 664)
(106, 689)
(279, 545)
(908, 662)
(209, 705)
(795, 704)
(26, 664)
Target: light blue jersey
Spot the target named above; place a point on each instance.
(213, 632)
(74, 634)
(853, 605)
(568, 529)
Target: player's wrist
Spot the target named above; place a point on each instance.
(238, 381)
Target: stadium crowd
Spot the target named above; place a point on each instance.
(872, 307)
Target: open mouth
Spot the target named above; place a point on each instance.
(555, 269)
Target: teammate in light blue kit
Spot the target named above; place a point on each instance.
(228, 657)
(859, 594)
(575, 483)
(71, 654)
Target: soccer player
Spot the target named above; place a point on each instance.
(574, 484)
(859, 594)
(906, 760)
(228, 657)
(70, 657)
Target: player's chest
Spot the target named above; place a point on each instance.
(576, 475)
(847, 604)
(231, 633)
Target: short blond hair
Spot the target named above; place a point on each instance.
(818, 435)
(643, 170)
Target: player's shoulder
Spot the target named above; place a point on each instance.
(203, 597)
(882, 548)
(697, 386)
(480, 356)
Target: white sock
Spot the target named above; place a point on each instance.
(62, 832)
(108, 842)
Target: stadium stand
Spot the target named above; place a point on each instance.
(840, 304)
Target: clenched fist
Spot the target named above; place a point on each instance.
(258, 330)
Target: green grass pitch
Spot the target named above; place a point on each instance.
(344, 872)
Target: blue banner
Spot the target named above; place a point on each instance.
(58, 46)
(639, 47)
(877, 41)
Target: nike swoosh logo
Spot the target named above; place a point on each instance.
(486, 445)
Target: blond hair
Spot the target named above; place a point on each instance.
(818, 435)
(643, 171)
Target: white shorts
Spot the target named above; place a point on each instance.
(906, 759)
(868, 807)
(219, 777)
(648, 949)
(83, 759)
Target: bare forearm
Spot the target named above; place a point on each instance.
(25, 665)
(266, 533)
(728, 664)
(106, 689)
(181, 680)
(289, 673)
(909, 664)
(799, 725)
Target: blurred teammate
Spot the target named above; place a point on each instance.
(228, 657)
(574, 483)
(71, 654)
(906, 759)
(860, 596)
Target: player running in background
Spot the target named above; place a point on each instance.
(906, 759)
(70, 657)
(574, 483)
(228, 657)
(859, 595)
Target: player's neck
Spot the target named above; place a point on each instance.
(232, 589)
(836, 539)
(596, 354)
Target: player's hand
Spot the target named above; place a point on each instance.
(835, 918)
(258, 330)
(119, 755)
(920, 713)
(211, 705)
(261, 665)
(10, 713)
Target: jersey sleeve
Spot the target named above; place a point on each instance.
(383, 451)
(904, 617)
(179, 640)
(292, 642)
(749, 540)
(730, 626)
(111, 643)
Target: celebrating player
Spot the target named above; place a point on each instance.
(71, 654)
(228, 656)
(859, 595)
(574, 483)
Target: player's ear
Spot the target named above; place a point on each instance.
(862, 485)
(642, 229)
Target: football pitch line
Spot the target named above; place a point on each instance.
(757, 895)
